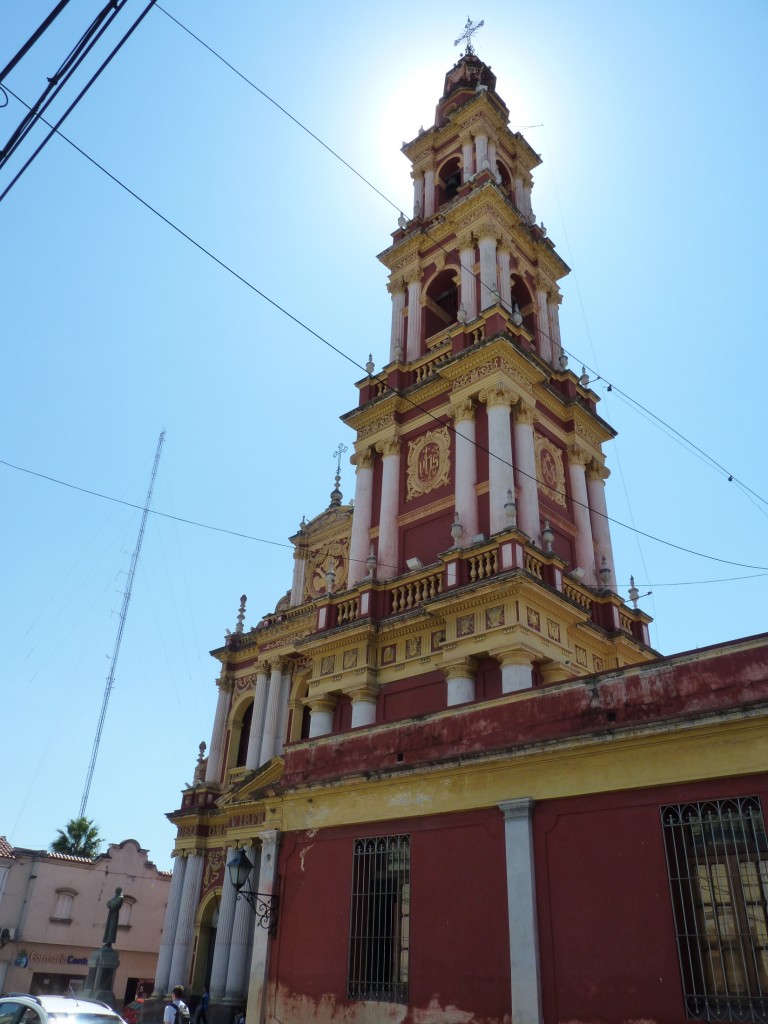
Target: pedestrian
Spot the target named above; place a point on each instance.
(201, 1014)
(176, 1012)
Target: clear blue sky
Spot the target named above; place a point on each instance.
(114, 327)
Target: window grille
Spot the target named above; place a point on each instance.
(717, 856)
(379, 920)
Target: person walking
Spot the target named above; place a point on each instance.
(201, 1014)
(176, 1012)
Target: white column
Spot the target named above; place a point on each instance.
(466, 471)
(237, 967)
(505, 279)
(364, 706)
(299, 574)
(185, 929)
(528, 492)
(272, 713)
(259, 975)
(500, 472)
(388, 565)
(256, 735)
(223, 934)
(215, 754)
(492, 157)
(282, 711)
(460, 682)
(519, 195)
(585, 549)
(481, 151)
(413, 342)
(321, 716)
(360, 542)
(488, 273)
(429, 191)
(165, 955)
(601, 528)
(468, 281)
(396, 335)
(516, 672)
(521, 908)
(466, 160)
(553, 313)
(418, 194)
(545, 345)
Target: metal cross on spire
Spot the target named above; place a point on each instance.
(336, 493)
(469, 30)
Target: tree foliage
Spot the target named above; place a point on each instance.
(79, 838)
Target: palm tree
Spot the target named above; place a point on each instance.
(80, 838)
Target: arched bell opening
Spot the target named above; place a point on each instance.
(448, 181)
(239, 732)
(506, 178)
(522, 302)
(441, 302)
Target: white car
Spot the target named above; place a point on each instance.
(25, 1009)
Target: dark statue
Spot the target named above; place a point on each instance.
(110, 929)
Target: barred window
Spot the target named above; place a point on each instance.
(379, 924)
(717, 856)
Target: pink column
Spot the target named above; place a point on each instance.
(527, 487)
(467, 169)
(213, 768)
(460, 682)
(585, 551)
(418, 193)
(360, 542)
(468, 282)
(505, 282)
(489, 283)
(388, 565)
(272, 712)
(466, 470)
(256, 736)
(413, 343)
(544, 343)
(429, 191)
(498, 400)
(397, 291)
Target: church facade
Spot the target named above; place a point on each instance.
(470, 789)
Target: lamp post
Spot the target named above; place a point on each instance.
(263, 904)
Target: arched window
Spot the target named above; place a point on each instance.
(506, 179)
(245, 732)
(441, 303)
(448, 181)
(525, 304)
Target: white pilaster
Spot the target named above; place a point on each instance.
(460, 682)
(396, 336)
(165, 955)
(467, 169)
(223, 935)
(388, 565)
(272, 712)
(505, 278)
(468, 281)
(601, 528)
(492, 158)
(360, 542)
(321, 717)
(489, 294)
(216, 752)
(500, 472)
(585, 549)
(516, 672)
(256, 736)
(429, 191)
(545, 345)
(185, 929)
(282, 710)
(418, 194)
(268, 884)
(553, 312)
(481, 152)
(413, 342)
(237, 966)
(466, 471)
(527, 488)
(364, 706)
(521, 908)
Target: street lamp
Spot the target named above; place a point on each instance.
(263, 904)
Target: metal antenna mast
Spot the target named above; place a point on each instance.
(121, 627)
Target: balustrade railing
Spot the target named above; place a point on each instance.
(532, 565)
(347, 611)
(483, 565)
(576, 594)
(411, 594)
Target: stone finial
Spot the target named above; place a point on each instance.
(372, 563)
(336, 495)
(241, 615)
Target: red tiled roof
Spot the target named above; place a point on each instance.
(6, 850)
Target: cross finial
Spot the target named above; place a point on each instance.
(336, 493)
(469, 29)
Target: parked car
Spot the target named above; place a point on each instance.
(131, 1011)
(21, 1008)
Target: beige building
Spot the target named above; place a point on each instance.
(53, 911)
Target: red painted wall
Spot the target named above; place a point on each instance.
(459, 949)
(406, 698)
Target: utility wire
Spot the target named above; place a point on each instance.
(425, 231)
(397, 392)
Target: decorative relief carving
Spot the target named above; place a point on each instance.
(553, 630)
(429, 464)
(577, 456)
(465, 625)
(533, 619)
(494, 617)
(477, 374)
(463, 410)
(374, 426)
(525, 414)
(413, 647)
(581, 656)
(245, 683)
(326, 665)
(330, 556)
(350, 659)
(363, 459)
(437, 638)
(597, 663)
(389, 447)
(214, 869)
(497, 394)
(389, 654)
(549, 469)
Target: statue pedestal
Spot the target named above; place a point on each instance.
(102, 967)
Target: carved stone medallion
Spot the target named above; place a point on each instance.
(549, 469)
(429, 463)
